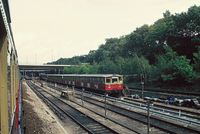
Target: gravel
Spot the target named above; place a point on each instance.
(38, 118)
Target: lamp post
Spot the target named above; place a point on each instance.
(142, 71)
(82, 96)
(149, 103)
(142, 83)
(105, 106)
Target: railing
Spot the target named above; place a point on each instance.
(166, 114)
(161, 112)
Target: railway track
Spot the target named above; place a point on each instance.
(171, 127)
(88, 124)
(157, 122)
(128, 126)
(193, 113)
(116, 121)
(163, 107)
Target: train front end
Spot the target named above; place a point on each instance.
(114, 85)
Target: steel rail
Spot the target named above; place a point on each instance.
(167, 107)
(165, 113)
(136, 130)
(168, 113)
(112, 109)
(155, 113)
(129, 113)
(75, 118)
(177, 112)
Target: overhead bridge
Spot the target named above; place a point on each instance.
(35, 70)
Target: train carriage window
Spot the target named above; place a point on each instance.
(108, 80)
(120, 79)
(101, 80)
(114, 80)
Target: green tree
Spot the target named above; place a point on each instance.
(107, 67)
(197, 60)
(71, 70)
(174, 69)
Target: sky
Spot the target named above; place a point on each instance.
(46, 30)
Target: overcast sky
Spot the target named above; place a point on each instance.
(45, 30)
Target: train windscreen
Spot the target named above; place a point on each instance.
(114, 80)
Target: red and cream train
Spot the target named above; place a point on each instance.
(110, 83)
